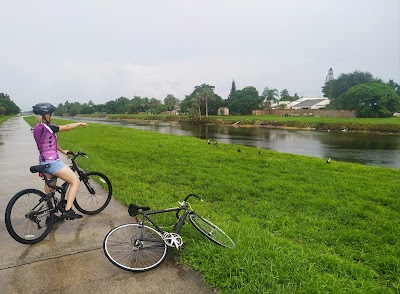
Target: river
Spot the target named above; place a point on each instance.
(364, 148)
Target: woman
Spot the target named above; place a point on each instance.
(46, 140)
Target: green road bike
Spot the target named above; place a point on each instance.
(139, 247)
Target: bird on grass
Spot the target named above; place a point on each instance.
(208, 142)
(329, 160)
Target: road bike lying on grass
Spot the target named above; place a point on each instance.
(30, 213)
(139, 247)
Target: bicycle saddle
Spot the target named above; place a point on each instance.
(133, 209)
(38, 168)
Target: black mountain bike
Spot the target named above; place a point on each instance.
(30, 213)
(138, 247)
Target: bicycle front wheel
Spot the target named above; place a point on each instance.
(29, 216)
(94, 193)
(211, 231)
(134, 247)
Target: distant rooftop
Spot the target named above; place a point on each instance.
(308, 103)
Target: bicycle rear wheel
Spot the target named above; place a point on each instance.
(94, 193)
(211, 231)
(29, 216)
(134, 247)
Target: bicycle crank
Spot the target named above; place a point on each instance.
(173, 240)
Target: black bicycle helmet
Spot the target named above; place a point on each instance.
(43, 108)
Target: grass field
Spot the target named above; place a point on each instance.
(3, 118)
(300, 225)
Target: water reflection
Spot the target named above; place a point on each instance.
(369, 149)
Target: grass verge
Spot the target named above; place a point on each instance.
(4, 118)
(300, 225)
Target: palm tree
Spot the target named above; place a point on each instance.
(205, 93)
(269, 95)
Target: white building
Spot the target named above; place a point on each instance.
(223, 111)
(309, 103)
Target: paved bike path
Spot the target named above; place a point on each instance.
(70, 259)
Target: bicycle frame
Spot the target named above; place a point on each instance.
(74, 167)
(177, 226)
(181, 220)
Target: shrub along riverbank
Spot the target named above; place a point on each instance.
(300, 225)
(385, 125)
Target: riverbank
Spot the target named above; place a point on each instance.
(380, 125)
(300, 225)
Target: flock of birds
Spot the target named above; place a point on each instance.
(259, 152)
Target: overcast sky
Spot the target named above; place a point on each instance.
(81, 50)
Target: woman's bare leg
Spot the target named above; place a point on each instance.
(47, 190)
(71, 178)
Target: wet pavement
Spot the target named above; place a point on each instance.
(70, 259)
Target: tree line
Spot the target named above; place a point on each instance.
(7, 106)
(359, 91)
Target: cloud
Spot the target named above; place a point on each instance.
(101, 50)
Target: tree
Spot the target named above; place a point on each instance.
(336, 87)
(205, 93)
(285, 95)
(154, 105)
(201, 95)
(371, 100)
(245, 101)
(233, 90)
(268, 96)
(8, 106)
(134, 105)
(395, 86)
(170, 102)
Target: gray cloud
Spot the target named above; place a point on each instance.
(101, 50)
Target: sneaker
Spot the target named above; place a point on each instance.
(70, 215)
(56, 219)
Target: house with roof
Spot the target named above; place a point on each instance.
(310, 103)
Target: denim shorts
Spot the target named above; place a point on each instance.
(55, 166)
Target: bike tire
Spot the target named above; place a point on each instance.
(94, 193)
(22, 210)
(211, 231)
(135, 247)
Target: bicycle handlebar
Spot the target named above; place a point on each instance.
(80, 153)
(194, 195)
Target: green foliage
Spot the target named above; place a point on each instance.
(120, 105)
(233, 90)
(171, 102)
(334, 88)
(7, 106)
(244, 101)
(203, 100)
(371, 100)
(300, 225)
(395, 86)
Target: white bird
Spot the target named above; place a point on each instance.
(329, 160)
